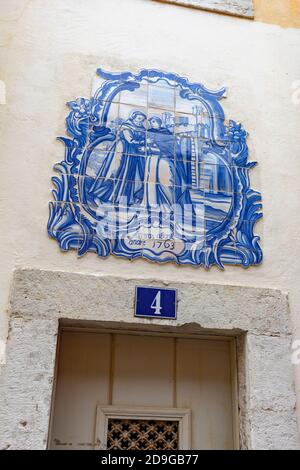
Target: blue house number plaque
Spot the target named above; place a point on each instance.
(155, 302)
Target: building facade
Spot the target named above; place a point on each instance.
(150, 280)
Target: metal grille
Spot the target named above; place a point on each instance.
(142, 434)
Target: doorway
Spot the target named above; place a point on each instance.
(137, 390)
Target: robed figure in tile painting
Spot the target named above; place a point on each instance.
(164, 177)
(120, 179)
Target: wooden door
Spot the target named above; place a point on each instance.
(179, 388)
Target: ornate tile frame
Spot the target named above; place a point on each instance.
(243, 8)
(74, 225)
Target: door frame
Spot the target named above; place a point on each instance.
(99, 435)
(258, 318)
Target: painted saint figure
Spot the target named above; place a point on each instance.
(120, 179)
(159, 169)
(164, 180)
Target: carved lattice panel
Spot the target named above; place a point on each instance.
(142, 434)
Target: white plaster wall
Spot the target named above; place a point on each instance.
(50, 50)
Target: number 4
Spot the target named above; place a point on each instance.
(156, 303)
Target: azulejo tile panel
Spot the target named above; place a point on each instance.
(153, 170)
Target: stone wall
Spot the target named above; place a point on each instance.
(229, 7)
(42, 299)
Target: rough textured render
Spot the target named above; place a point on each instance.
(230, 7)
(258, 317)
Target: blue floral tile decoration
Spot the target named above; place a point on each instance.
(153, 170)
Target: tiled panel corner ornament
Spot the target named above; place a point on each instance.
(152, 170)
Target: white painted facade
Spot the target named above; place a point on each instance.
(50, 50)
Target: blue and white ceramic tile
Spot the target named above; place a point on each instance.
(152, 170)
(161, 97)
(138, 98)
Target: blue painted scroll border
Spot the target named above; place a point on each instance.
(233, 243)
